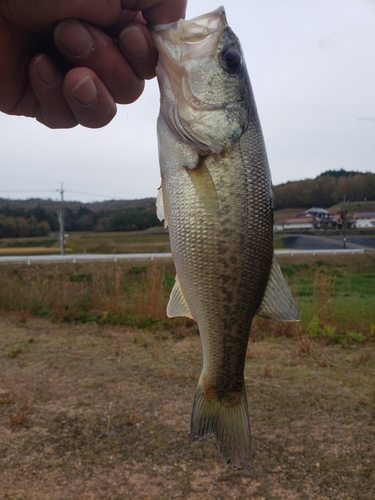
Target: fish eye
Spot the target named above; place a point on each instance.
(231, 59)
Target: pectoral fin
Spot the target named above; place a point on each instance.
(204, 185)
(177, 305)
(278, 302)
(160, 205)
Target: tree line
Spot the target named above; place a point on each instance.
(20, 222)
(327, 189)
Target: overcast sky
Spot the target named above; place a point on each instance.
(312, 67)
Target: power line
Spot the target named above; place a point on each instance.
(26, 190)
(88, 194)
(51, 191)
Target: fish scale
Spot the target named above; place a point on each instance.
(216, 197)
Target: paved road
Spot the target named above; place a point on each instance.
(305, 242)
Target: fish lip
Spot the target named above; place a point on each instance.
(187, 31)
(217, 15)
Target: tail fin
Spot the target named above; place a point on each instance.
(230, 425)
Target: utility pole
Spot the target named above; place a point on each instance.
(344, 223)
(60, 218)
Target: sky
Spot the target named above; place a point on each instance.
(312, 68)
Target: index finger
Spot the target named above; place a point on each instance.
(158, 11)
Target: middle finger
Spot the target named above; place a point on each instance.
(85, 45)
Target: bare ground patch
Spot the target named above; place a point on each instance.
(103, 413)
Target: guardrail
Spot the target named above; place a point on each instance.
(76, 258)
(291, 252)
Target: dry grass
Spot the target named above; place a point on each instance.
(30, 251)
(110, 292)
(102, 413)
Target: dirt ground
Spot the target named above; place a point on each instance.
(103, 413)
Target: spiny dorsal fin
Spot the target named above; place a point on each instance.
(204, 185)
(161, 212)
(177, 305)
(278, 302)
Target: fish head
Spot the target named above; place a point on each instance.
(204, 86)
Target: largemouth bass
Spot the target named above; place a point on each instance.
(216, 197)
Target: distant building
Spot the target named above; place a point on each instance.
(300, 222)
(314, 218)
(320, 215)
(363, 220)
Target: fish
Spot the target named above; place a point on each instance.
(216, 199)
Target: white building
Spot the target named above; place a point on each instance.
(363, 220)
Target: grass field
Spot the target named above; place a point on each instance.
(96, 387)
(153, 240)
(335, 294)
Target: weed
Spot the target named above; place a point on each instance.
(131, 419)
(6, 397)
(138, 270)
(353, 336)
(13, 353)
(330, 333)
(267, 372)
(323, 361)
(250, 353)
(16, 351)
(306, 346)
(79, 278)
(21, 417)
(155, 354)
(166, 375)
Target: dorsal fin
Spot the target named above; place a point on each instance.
(278, 302)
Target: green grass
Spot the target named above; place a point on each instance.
(153, 240)
(339, 291)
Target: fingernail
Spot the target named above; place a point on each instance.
(134, 42)
(46, 71)
(85, 91)
(74, 37)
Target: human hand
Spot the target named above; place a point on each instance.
(64, 71)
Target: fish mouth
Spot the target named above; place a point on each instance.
(179, 42)
(186, 37)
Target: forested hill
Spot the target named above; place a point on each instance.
(20, 218)
(328, 189)
(95, 206)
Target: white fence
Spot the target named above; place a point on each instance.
(76, 258)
